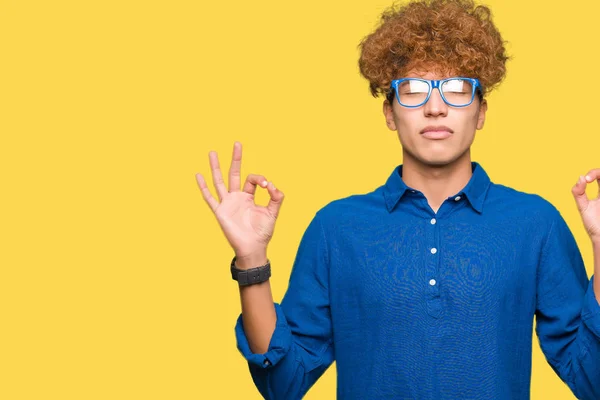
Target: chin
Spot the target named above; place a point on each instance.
(437, 163)
(439, 160)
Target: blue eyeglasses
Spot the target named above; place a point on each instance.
(456, 91)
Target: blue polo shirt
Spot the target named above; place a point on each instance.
(414, 304)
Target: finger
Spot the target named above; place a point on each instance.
(594, 175)
(252, 180)
(580, 195)
(275, 200)
(236, 168)
(216, 174)
(211, 201)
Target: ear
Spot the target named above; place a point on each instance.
(481, 118)
(388, 112)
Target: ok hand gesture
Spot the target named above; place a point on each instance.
(247, 226)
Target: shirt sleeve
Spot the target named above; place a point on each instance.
(568, 313)
(301, 348)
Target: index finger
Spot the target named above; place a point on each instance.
(235, 170)
(593, 175)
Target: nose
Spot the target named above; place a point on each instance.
(435, 106)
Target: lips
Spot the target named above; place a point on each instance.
(436, 132)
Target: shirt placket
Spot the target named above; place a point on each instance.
(434, 300)
(434, 303)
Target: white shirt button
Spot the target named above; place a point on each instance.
(432, 282)
(457, 198)
(433, 221)
(433, 250)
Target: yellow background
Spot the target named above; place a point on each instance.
(114, 272)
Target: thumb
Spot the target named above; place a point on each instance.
(275, 200)
(579, 193)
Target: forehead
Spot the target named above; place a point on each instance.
(433, 72)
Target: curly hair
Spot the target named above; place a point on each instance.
(445, 36)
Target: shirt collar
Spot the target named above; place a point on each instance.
(474, 191)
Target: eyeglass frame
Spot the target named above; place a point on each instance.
(433, 84)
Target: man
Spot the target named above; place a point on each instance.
(426, 287)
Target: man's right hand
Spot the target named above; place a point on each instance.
(247, 226)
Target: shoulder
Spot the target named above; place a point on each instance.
(353, 209)
(529, 211)
(522, 202)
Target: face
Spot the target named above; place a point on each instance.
(458, 126)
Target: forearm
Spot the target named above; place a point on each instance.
(289, 345)
(258, 310)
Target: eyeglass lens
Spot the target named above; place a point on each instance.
(413, 92)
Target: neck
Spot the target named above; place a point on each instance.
(437, 182)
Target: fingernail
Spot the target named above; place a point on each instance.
(264, 183)
(588, 178)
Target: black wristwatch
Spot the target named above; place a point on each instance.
(250, 276)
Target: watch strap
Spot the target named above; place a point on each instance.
(250, 276)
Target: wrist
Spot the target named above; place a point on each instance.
(251, 260)
(250, 276)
